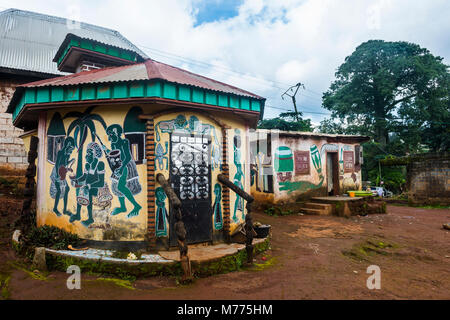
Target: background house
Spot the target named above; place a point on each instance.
(28, 43)
(290, 166)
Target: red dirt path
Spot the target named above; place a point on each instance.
(306, 262)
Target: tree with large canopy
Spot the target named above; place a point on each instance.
(392, 89)
(287, 121)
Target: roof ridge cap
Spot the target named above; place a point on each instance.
(55, 80)
(149, 63)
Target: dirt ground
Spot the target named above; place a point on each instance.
(311, 257)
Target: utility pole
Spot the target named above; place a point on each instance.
(292, 96)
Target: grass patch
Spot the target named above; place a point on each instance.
(270, 262)
(436, 206)
(4, 286)
(363, 251)
(34, 275)
(276, 211)
(119, 282)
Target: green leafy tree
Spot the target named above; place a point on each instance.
(287, 122)
(393, 87)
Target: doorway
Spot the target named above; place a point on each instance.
(190, 178)
(332, 174)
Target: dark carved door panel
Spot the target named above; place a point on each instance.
(190, 178)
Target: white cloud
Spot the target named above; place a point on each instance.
(273, 44)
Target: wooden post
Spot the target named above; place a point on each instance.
(249, 231)
(179, 227)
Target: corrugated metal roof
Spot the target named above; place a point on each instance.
(148, 70)
(29, 40)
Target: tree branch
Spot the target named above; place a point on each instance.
(389, 107)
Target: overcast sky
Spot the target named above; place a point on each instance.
(261, 46)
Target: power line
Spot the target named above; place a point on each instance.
(226, 70)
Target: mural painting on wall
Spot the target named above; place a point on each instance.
(217, 208)
(161, 156)
(89, 179)
(239, 176)
(59, 186)
(181, 125)
(284, 163)
(305, 185)
(162, 215)
(125, 178)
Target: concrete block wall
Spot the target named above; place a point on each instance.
(13, 155)
(429, 180)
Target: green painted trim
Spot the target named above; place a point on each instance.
(154, 89)
(136, 89)
(256, 105)
(72, 94)
(104, 92)
(96, 47)
(30, 95)
(43, 95)
(169, 91)
(198, 95)
(211, 98)
(57, 94)
(120, 91)
(223, 101)
(184, 93)
(234, 102)
(88, 93)
(87, 45)
(245, 104)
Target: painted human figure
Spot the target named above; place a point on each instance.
(58, 175)
(125, 178)
(217, 208)
(90, 181)
(239, 203)
(161, 212)
(161, 156)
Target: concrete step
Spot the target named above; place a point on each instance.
(325, 209)
(321, 206)
(314, 212)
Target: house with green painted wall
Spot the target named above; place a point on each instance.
(118, 120)
(290, 166)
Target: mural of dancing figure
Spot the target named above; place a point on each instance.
(92, 179)
(125, 178)
(239, 203)
(59, 184)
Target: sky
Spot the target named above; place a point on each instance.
(264, 47)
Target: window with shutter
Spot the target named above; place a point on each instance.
(348, 161)
(301, 162)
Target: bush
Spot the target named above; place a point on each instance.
(51, 237)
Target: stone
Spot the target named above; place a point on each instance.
(39, 261)
(16, 236)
